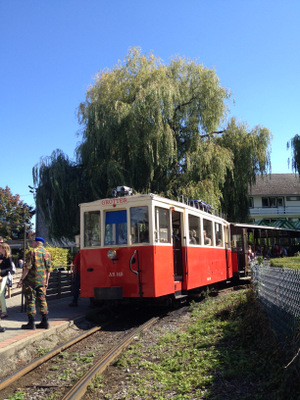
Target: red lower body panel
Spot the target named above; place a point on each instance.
(201, 266)
(206, 266)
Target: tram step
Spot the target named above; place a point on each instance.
(179, 295)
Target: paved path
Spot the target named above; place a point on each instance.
(60, 316)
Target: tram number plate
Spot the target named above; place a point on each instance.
(115, 274)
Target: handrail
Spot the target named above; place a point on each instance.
(138, 272)
(186, 256)
(282, 210)
(131, 261)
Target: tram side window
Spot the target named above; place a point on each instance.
(194, 230)
(219, 235)
(92, 229)
(115, 227)
(236, 243)
(162, 225)
(207, 232)
(139, 225)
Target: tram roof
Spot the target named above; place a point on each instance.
(264, 228)
(149, 196)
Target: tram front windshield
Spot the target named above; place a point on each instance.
(115, 227)
(92, 229)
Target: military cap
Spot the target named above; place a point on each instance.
(39, 239)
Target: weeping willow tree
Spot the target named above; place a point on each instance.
(148, 125)
(59, 191)
(251, 156)
(294, 145)
(144, 122)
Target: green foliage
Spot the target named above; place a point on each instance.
(14, 214)
(59, 256)
(251, 156)
(144, 121)
(294, 145)
(42, 351)
(153, 127)
(260, 260)
(88, 359)
(59, 191)
(286, 262)
(66, 374)
(18, 395)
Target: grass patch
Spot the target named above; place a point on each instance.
(227, 352)
(88, 359)
(42, 351)
(286, 262)
(18, 395)
(66, 374)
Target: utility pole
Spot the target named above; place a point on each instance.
(24, 243)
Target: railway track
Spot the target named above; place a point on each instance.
(36, 363)
(79, 389)
(31, 376)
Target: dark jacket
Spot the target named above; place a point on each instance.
(5, 266)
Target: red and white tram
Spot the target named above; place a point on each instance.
(146, 246)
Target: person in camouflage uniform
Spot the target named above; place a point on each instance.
(35, 280)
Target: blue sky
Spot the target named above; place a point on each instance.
(50, 51)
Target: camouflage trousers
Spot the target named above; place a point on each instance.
(33, 296)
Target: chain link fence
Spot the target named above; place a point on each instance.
(278, 290)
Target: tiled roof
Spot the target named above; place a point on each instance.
(276, 185)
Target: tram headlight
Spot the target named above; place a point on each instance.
(111, 254)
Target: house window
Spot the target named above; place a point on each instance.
(265, 202)
(293, 198)
(251, 202)
(272, 202)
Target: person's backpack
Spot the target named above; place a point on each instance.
(9, 280)
(13, 271)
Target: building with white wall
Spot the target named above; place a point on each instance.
(275, 199)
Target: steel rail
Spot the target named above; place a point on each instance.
(79, 389)
(34, 364)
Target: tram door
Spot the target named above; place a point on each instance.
(177, 244)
